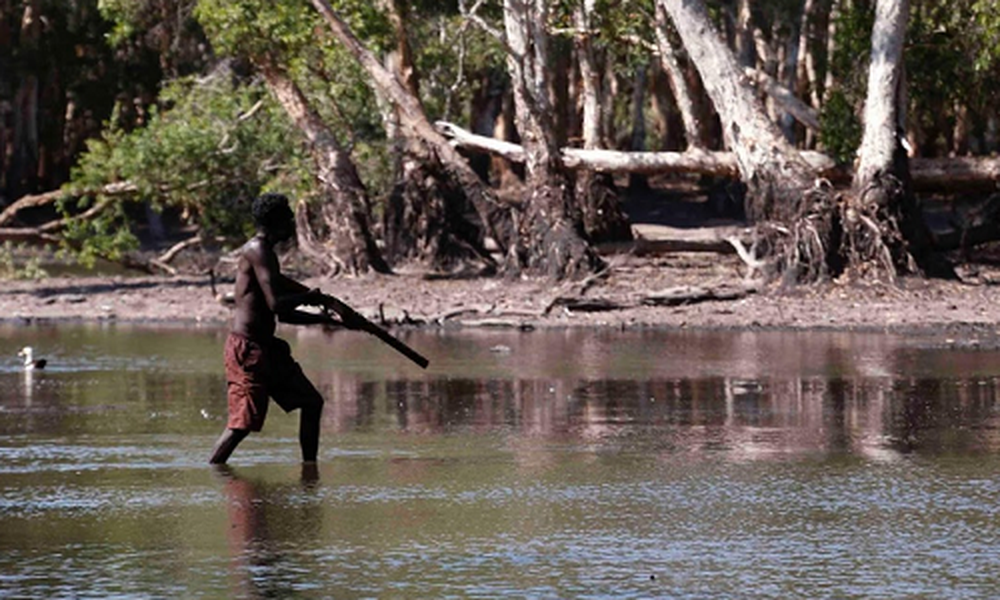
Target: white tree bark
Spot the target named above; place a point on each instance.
(590, 78)
(771, 168)
(972, 173)
(881, 123)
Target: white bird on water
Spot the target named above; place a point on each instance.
(30, 362)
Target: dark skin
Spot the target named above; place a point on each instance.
(263, 296)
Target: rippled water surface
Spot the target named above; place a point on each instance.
(530, 464)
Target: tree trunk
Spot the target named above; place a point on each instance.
(884, 230)
(346, 214)
(549, 228)
(775, 175)
(636, 181)
(779, 183)
(678, 84)
(829, 80)
(22, 174)
(806, 80)
(438, 157)
(424, 219)
(603, 217)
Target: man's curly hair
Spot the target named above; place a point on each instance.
(271, 209)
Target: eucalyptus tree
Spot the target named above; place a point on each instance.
(816, 236)
(59, 82)
(274, 36)
(439, 210)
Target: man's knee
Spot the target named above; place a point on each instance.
(313, 402)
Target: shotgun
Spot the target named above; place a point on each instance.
(355, 320)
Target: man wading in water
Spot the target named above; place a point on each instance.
(258, 364)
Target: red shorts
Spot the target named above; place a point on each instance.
(257, 369)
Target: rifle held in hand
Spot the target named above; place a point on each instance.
(354, 320)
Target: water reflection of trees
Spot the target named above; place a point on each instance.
(877, 417)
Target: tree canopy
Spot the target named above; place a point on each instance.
(144, 107)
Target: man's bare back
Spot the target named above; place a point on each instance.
(252, 317)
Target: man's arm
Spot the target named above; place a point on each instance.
(318, 298)
(281, 297)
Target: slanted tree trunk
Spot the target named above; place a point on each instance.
(437, 157)
(603, 217)
(349, 240)
(416, 224)
(678, 84)
(884, 230)
(549, 228)
(775, 175)
(780, 184)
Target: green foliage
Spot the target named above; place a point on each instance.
(840, 122)
(107, 236)
(951, 61)
(291, 35)
(11, 267)
(840, 127)
(123, 14)
(986, 20)
(211, 150)
(277, 30)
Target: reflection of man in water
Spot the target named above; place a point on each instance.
(264, 523)
(258, 364)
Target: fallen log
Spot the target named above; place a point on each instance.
(966, 173)
(581, 304)
(684, 295)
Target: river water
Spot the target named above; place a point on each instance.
(544, 464)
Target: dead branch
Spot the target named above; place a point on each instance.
(35, 200)
(802, 112)
(177, 248)
(44, 234)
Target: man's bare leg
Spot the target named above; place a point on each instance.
(225, 445)
(309, 422)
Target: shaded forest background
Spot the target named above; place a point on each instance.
(497, 135)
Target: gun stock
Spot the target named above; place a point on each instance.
(351, 316)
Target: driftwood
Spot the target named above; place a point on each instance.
(683, 295)
(595, 304)
(927, 173)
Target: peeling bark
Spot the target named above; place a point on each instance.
(350, 239)
(603, 217)
(776, 177)
(884, 230)
(435, 153)
(549, 228)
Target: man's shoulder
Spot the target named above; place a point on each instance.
(255, 248)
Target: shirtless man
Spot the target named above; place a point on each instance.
(258, 364)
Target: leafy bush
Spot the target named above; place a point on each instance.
(9, 267)
(214, 145)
